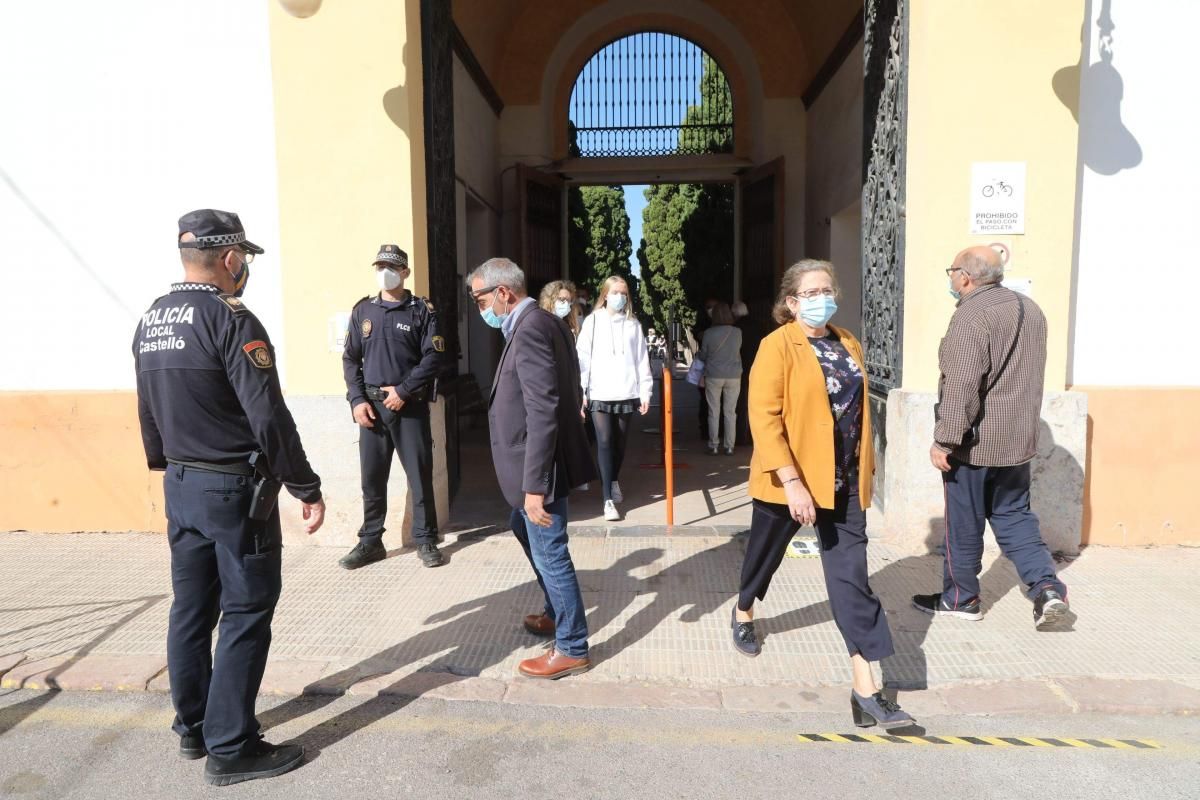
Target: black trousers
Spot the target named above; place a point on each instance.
(408, 435)
(612, 434)
(226, 567)
(843, 534)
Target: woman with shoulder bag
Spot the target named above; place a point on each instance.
(721, 352)
(614, 367)
(813, 464)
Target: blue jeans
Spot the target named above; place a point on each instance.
(999, 495)
(546, 549)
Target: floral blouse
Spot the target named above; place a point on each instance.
(844, 384)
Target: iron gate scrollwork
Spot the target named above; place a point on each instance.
(885, 100)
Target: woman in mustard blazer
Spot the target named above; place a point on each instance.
(812, 465)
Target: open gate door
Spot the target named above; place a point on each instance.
(541, 227)
(762, 237)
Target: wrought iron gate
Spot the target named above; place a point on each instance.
(885, 100)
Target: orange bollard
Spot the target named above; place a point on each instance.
(668, 452)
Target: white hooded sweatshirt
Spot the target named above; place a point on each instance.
(614, 362)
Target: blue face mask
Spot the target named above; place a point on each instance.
(816, 311)
(950, 288)
(241, 279)
(491, 317)
(562, 307)
(617, 302)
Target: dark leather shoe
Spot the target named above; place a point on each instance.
(877, 709)
(539, 624)
(553, 665)
(191, 746)
(430, 555)
(260, 760)
(1051, 612)
(363, 554)
(744, 639)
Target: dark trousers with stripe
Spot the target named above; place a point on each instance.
(409, 435)
(224, 566)
(843, 534)
(999, 495)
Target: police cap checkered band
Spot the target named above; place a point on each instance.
(213, 228)
(392, 255)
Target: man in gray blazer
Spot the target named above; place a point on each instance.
(540, 451)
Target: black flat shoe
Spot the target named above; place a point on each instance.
(744, 639)
(878, 710)
(191, 746)
(261, 760)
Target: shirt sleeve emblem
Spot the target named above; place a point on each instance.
(258, 353)
(439, 344)
(366, 328)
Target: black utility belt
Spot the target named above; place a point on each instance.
(244, 470)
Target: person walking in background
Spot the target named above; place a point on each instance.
(993, 362)
(813, 464)
(615, 375)
(558, 297)
(721, 352)
(703, 323)
(753, 330)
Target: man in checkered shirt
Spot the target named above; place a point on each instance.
(992, 361)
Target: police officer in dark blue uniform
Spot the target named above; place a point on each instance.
(213, 418)
(393, 353)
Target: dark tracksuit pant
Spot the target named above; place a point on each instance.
(223, 566)
(843, 534)
(408, 435)
(999, 495)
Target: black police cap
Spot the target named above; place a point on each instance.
(213, 228)
(392, 255)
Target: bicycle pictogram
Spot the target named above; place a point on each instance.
(1003, 188)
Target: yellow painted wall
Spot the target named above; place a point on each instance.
(351, 161)
(73, 461)
(1142, 462)
(979, 89)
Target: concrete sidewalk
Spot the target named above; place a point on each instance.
(89, 612)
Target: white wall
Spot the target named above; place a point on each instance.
(119, 119)
(1138, 281)
(835, 131)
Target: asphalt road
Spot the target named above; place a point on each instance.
(83, 745)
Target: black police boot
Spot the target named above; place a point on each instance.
(191, 746)
(430, 555)
(363, 554)
(259, 760)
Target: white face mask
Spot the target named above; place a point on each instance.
(388, 279)
(562, 307)
(617, 302)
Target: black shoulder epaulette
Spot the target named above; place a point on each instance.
(366, 299)
(234, 304)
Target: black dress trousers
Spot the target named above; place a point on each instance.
(843, 534)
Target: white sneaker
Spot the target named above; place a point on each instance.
(610, 511)
(585, 487)
(617, 496)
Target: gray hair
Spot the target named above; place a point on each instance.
(739, 310)
(499, 272)
(982, 270)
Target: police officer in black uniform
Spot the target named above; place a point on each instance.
(393, 353)
(213, 418)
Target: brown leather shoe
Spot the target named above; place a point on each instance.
(553, 665)
(539, 624)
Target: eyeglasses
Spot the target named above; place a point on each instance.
(951, 270)
(477, 297)
(808, 294)
(247, 256)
